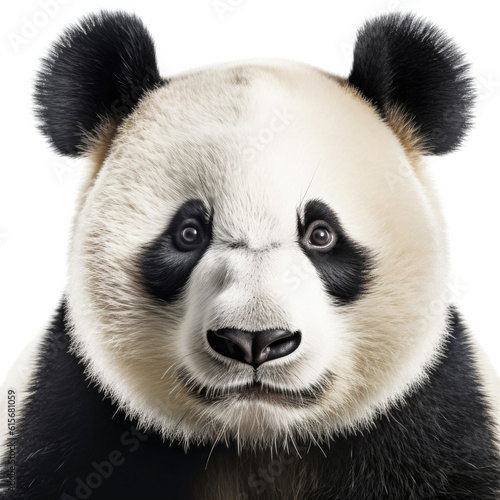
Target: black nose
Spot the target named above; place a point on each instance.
(253, 348)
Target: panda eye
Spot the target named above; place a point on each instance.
(320, 236)
(190, 235)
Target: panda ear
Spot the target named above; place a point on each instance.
(94, 76)
(404, 65)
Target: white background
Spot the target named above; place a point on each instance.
(38, 188)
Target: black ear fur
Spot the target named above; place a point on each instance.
(97, 71)
(402, 62)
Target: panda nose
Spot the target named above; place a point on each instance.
(253, 348)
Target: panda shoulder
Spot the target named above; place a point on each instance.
(489, 380)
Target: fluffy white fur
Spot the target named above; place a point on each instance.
(193, 139)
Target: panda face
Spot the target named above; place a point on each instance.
(257, 259)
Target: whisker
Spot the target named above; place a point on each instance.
(310, 182)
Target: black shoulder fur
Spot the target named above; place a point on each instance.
(73, 443)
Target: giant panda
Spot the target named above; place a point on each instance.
(257, 301)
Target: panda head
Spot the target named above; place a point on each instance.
(258, 253)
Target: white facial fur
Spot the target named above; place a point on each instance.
(255, 143)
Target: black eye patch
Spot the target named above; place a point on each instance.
(345, 268)
(168, 261)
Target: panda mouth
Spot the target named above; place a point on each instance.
(258, 392)
(261, 392)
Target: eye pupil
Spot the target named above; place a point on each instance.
(189, 235)
(320, 236)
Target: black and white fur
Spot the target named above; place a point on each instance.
(383, 398)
